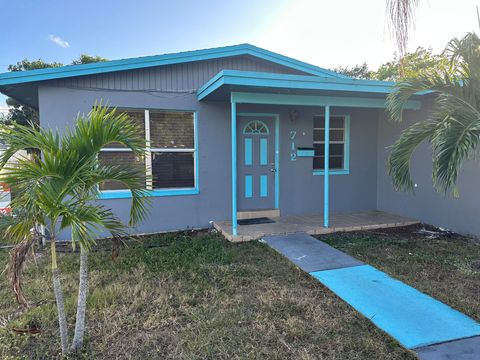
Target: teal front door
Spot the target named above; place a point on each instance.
(256, 165)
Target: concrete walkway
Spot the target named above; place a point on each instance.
(419, 322)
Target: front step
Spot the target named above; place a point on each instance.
(252, 214)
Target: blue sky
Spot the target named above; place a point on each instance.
(325, 33)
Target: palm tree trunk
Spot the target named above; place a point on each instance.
(57, 288)
(77, 342)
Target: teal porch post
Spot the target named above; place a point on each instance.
(326, 166)
(234, 168)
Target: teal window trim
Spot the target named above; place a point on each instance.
(126, 194)
(346, 150)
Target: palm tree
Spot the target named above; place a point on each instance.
(401, 15)
(58, 190)
(452, 127)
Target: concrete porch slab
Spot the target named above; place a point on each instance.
(313, 225)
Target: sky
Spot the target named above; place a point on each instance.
(325, 33)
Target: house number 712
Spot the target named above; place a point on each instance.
(293, 154)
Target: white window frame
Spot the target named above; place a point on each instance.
(115, 194)
(346, 146)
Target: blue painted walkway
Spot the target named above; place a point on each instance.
(416, 320)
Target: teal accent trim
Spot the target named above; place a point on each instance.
(346, 159)
(197, 146)
(305, 153)
(248, 151)
(236, 78)
(326, 162)
(126, 194)
(234, 168)
(159, 60)
(263, 185)
(263, 151)
(277, 163)
(277, 151)
(248, 186)
(331, 172)
(311, 100)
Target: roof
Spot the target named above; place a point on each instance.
(270, 88)
(20, 77)
(236, 79)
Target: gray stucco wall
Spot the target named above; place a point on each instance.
(300, 191)
(458, 214)
(59, 107)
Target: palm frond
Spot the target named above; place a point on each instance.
(398, 164)
(453, 124)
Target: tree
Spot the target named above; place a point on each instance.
(411, 65)
(452, 127)
(415, 63)
(58, 190)
(401, 15)
(24, 114)
(357, 71)
(87, 59)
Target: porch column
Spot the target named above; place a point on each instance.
(234, 167)
(326, 166)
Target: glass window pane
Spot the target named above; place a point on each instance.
(336, 135)
(335, 162)
(336, 122)
(173, 170)
(318, 135)
(336, 149)
(138, 117)
(318, 162)
(319, 149)
(111, 158)
(171, 129)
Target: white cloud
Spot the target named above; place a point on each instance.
(58, 41)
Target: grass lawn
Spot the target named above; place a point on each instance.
(446, 267)
(194, 296)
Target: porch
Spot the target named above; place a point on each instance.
(313, 225)
(264, 174)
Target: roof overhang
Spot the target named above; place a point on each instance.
(18, 77)
(259, 87)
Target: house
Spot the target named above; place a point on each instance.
(241, 130)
